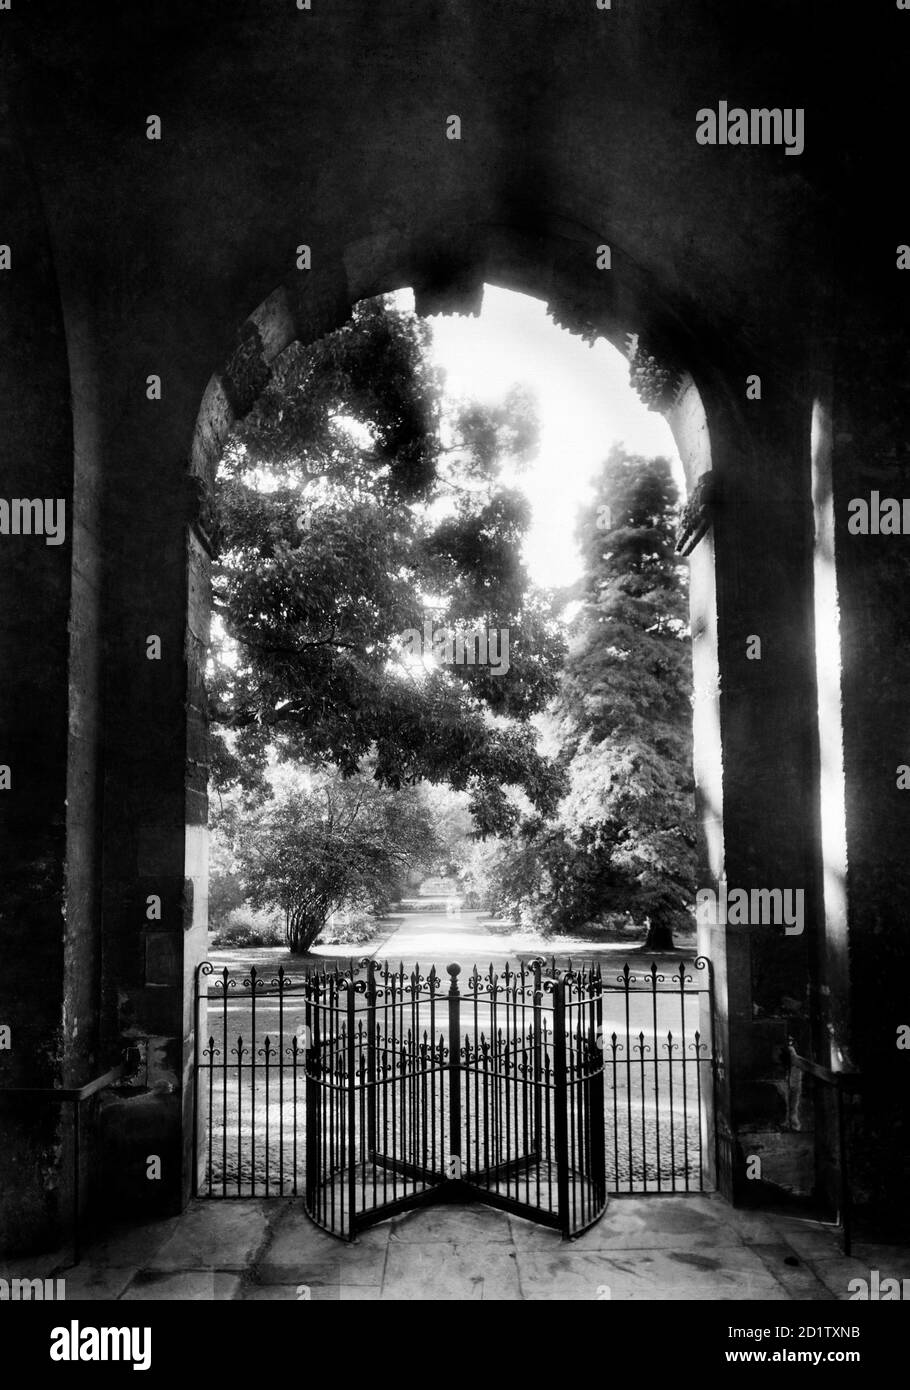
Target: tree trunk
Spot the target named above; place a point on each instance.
(659, 938)
(303, 931)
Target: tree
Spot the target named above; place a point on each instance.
(328, 842)
(352, 510)
(623, 840)
(624, 706)
(453, 824)
(225, 885)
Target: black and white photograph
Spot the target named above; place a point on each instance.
(454, 669)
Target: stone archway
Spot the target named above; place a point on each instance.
(743, 767)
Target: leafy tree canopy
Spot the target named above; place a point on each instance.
(354, 507)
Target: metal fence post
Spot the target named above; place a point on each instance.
(371, 1059)
(454, 1164)
(537, 1067)
(352, 1108)
(597, 1093)
(709, 1119)
(312, 1107)
(196, 978)
(561, 1096)
(846, 1214)
(77, 1225)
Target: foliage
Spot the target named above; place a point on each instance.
(324, 842)
(225, 896)
(454, 826)
(226, 892)
(624, 837)
(352, 931)
(241, 929)
(352, 507)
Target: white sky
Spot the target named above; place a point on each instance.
(584, 401)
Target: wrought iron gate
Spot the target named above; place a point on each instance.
(415, 1094)
(371, 1089)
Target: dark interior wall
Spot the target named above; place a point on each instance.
(768, 730)
(36, 430)
(327, 127)
(873, 581)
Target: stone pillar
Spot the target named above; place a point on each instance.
(864, 425)
(163, 461)
(766, 708)
(155, 634)
(35, 580)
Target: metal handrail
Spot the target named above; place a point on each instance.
(73, 1095)
(842, 1082)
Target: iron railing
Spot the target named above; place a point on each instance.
(659, 1053)
(371, 1089)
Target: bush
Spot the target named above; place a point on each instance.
(247, 928)
(351, 931)
(225, 897)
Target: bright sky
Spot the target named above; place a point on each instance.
(584, 401)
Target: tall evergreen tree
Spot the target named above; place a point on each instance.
(624, 707)
(623, 839)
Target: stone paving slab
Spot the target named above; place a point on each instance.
(577, 1275)
(35, 1266)
(324, 1293)
(470, 1225)
(647, 1248)
(808, 1239)
(837, 1272)
(98, 1282)
(193, 1285)
(273, 1293)
(132, 1247)
(444, 1271)
(804, 1236)
(793, 1273)
(300, 1253)
(629, 1225)
(216, 1235)
(302, 1266)
(891, 1261)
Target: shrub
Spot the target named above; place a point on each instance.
(351, 931)
(246, 928)
(225, 897)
